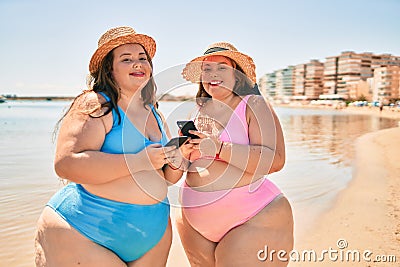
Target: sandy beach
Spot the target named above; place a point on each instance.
(365, 216)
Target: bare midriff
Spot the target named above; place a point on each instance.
(213, 175)
(143, 188)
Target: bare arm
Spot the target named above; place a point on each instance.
(78, 158)
(173, 172)
(266, 152)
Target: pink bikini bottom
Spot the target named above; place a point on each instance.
(215, 213)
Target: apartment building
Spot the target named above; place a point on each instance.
(287, 82)
(278, 85)
(345, 76)
(308, 80)
(349, 73)
(343, 73)
(314, 79)
(330, 75)
(299, 81)
(267, 85)
(262, 85)
(386, 84)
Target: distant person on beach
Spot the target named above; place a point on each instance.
(114, 211)
(230, 210)
(380, 106)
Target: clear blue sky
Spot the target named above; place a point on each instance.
(45, 45)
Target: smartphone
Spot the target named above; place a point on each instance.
(177, 141)
(185, 126)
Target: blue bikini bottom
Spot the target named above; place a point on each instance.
(129, 230)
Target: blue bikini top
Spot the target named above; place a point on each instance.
(125, 138)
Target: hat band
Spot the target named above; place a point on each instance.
(214, 49)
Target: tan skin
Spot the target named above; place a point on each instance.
(242, 165)
(132, 178)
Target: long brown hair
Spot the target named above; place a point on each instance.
(102, 81)
(243, 86)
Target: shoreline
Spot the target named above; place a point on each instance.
(374, 111)
(387, 112)
(367, 209)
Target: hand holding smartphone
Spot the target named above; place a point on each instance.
(185, 126)
(177, 141)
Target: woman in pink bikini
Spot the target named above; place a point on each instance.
(230, 210)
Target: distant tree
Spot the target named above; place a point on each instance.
(349, 100)
(362, 98)
(394, 100)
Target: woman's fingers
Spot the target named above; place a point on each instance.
(186, 150)
(170, 153)
(196, 146)
(195, 141)
(159, 155)
(199, 134)
(167, 149)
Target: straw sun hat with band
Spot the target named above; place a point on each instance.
(116, 37)
(192, 70)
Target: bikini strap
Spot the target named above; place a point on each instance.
(158, 118)
(246, 98)
(105, 96)
(242, 107)
(115, 116)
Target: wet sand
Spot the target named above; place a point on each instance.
(367, 213)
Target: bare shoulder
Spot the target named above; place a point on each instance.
(89, 102)
(257, 103)
(88, 111)
(85, 124)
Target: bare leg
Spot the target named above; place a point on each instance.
(271, 227)
(158, 255)
(58, 244)
(199, 250)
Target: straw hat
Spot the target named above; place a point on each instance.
(192, 70)
(116, 37)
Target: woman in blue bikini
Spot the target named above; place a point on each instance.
(114, 211)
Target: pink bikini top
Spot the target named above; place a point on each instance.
(237, 129)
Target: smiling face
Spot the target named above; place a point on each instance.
(218, 76)
(131, 68)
